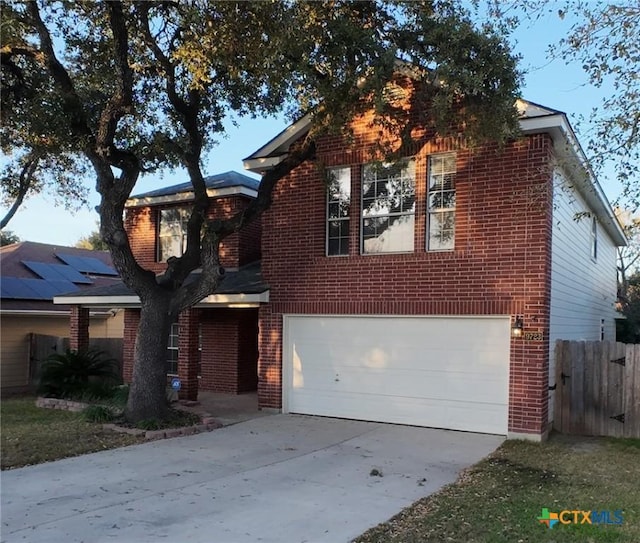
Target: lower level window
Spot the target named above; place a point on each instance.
(172, 350)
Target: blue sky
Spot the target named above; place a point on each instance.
(550, 83)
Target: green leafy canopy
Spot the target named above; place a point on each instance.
(124, 88)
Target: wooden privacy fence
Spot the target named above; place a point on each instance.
(42, 346)
(597, 388)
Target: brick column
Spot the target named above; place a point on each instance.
(79, 328)
(270, 359)
(188, 353)
(131, 321)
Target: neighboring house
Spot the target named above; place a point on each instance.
(31, 275)
(425, 292)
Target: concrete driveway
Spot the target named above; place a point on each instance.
(282, 478)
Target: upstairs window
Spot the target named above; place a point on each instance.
(388, 207)
(441, 203)
(594, 238)
(172, 232)
(338, 211)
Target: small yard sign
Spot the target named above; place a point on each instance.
(175, 383)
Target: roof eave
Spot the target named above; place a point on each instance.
(50, 313)
(279, 145)
(133, 301)
(187, 196)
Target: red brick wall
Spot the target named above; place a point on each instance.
(79, 328)
(131, 321)
(500, 266)
(236, 250)
(188, 353)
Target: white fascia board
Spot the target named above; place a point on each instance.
(568, 147)
(221, 300)
(98, 301)
(188, 196)
(44, 313)
(235, 299)
(284, 139)
(260, 165)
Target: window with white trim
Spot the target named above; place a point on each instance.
(441, 202)
(594, 238)
(388, 207)
(172, 232)
(172, 350)
(338, 211)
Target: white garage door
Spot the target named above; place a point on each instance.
(426, 371)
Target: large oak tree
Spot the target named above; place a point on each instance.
(126, 87)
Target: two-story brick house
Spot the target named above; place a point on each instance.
(425, 292)
(431, 291)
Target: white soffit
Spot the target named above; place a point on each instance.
(218, 300)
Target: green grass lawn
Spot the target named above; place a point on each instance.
(31, 435)
(499, 499)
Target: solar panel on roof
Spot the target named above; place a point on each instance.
(99, 267)
(34, 289)
(87, 264)
(42, 269)
(70, 274)
(14, 287)
(57, 272)
(43, 288)
(63, 287)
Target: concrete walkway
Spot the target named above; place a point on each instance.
(281, 478)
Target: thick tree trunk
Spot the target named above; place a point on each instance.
(148, 397)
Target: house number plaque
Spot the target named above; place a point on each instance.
(533, 336)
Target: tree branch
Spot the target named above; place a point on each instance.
(188, 111)
(268, 182)
(26, 177)
(71, 101)
(217, 229)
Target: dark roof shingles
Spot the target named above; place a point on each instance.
(247, 280)
(218, 181)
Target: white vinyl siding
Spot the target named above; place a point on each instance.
(583, 289)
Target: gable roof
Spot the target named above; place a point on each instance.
(222, 184)
(534, 118)
(33, 273)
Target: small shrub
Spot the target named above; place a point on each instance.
(149, 424)
(71, 374)
(96, 392)
(120, 396)
(98, 413)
